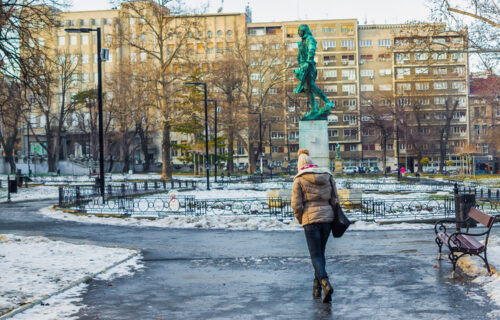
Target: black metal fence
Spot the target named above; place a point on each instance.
(396, 187)
(75, 195)
(406, 209)
(492, 194)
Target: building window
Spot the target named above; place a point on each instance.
(439, 56)
(327, 44)
(366, 87)
(85, 58)
(143, 56)
(441, 85)
(72, 40)
(332, 118)
(333, 133)
(422, 86)
(133, 57)
(350, 147)
(256, 46)
(385, 72)
(331, 88)
(131, 21)
(440, 100)
(365, 43)
(385, 87)
(368, 132)
(84, 39)
(328, 29)
(440, 70)
(347, 44)
(403, 87)
(329, 74)
(421, 56)
(421, 70)
(349, 89)
(61, 41)
(366, 73)
(368, 147)
(349, 74)
(384, 43)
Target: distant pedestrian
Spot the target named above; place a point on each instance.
(313, 196)
(403, 170)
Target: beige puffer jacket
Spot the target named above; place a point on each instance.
(313, 196)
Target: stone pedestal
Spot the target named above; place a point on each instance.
(338, 167)
(313, 135)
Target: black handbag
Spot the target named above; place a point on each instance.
(340, 222)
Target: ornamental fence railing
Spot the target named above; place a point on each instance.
(75, 195)
(163, 205)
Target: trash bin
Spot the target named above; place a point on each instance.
(463, 203)
(13, 186)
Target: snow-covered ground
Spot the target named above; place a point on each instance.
(31, 193)
(37, 268)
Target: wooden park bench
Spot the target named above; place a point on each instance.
(465, 243)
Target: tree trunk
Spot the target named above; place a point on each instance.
(384, 154)
(419, 161)
(230, 152)
(252, 159)
(166, 170)
(10, 159)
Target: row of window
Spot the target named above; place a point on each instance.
(402, 88)
(424, 56)
(455, 70)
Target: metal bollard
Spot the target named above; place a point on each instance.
(146, 186)
(61, 195)
(110, 189)
(77, 195)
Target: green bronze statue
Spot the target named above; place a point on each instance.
(307, 73)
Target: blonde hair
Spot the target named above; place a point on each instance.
(304, 160)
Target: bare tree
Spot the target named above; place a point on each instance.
(50, 89)
(163, 36)
(378, 113)
(482, 20)
(264, 71)
(11, 111)
(228, 78)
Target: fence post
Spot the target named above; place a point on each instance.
(110, 189)
(123, 189)
(61, 195)
(146, 185)
(135, 187)
(156, 185)
(180, 184)
(77, 195)
(172, 184)
(498, 194)
(489, 193)
(481, 192)
(164, 185)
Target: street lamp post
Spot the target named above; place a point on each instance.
(99, 101)
(207, 165)
(260, 142)
(215, 138)
(270, 154)
(397, 150)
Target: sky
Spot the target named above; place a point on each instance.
(366, 11)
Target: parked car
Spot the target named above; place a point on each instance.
(374, 170)
(351, 170)
(430, 170)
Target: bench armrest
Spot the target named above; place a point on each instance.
(440, 227)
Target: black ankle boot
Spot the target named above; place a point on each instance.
(327, 290)
(316, 289)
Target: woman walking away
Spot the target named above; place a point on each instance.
(313, 197)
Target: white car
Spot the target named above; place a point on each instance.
(351, 170)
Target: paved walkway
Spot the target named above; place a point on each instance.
(209, 274)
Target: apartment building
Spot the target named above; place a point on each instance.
(418, 72)
(485, 120)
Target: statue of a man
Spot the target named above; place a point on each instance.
(307, 74)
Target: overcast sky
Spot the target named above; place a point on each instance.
(369, 11)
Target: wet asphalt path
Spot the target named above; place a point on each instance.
(216, 274)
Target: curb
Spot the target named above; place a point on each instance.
(71, 285)
(28, 200)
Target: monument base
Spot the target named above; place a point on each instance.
(313, 135)
(338, 167)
